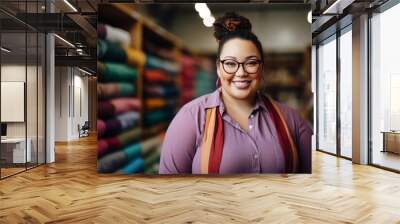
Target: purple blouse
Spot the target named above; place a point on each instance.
(256, 151)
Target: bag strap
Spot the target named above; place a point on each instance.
(206, 143)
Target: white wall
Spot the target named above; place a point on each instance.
(16, 73)
(278, 30)
(68, 83)
(61, 103)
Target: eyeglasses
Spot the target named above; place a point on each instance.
(250, 66)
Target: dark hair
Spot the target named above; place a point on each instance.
(230, 26)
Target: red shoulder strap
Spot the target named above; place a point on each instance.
(212, 142)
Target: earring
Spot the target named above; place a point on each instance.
(218, 83)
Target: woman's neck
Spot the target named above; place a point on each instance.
(242, 105)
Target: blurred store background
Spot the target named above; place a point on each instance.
(154, 58)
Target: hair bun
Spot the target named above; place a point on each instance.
(229, 23)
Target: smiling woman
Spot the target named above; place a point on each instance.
(236, 129)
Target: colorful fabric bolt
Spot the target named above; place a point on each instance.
(101, 128)
(152, 158)
(153, 62)
(128, 119)
(150, 155)
(136, 166)
(117, 142)
(149, 144)
(126, 104)
(161, 91)
(101, 31)
(155, 103)
(129, 136)
(120, 123)
(113, 161)
(113, 34)
(152, 169)
(116, 72)
(110, 90)
(205, 83)
(159, 103)
(107, 109)
(158, 116)
(135, 57)
(156, 76)
(154, 129)
(111, 52)
(102, 147)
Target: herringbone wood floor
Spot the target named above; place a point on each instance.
(70, 191)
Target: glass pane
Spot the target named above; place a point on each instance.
(327, 96)
(31, 97)
(13, 86)
(345, 94)
(41, 99)
(385, 86)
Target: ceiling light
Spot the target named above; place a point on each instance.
(70, 5)
(199, 6)
(84, 71)
(5, 50)
(309, 17)
(209, 21)
(338, 6)
(64, 40)
(205, 12)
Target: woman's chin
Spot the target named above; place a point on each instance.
(241, 93)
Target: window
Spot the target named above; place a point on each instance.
(327, 96)
(346, 93)
(385, 89)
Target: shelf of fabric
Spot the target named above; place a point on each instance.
(188, 71)
(158, 116)
(110, 144)
(116, 72)
(112, 90)
(117, 106)
(143, 150)
(164, 90)
(143, 164)
(153, 62)
(113, 52)
(158, 51)
(117, 124)
(153, 130)
(151, 104)
(205, 82)
(150, 67)
(157, 76)
(113, 34)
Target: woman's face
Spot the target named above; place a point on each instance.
(243, 83)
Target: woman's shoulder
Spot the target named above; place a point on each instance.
(192, 114)
(200, 103)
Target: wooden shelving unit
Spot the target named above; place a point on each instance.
(143, 33)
